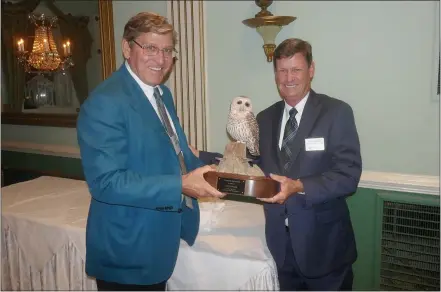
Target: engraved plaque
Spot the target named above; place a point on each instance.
(231, 186)
(242, 185)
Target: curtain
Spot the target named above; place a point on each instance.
(75, 28)
(15, 25)
(187, 80)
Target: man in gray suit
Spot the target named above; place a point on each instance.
(310, 140)
(309, 144)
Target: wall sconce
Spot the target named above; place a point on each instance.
(268, 26)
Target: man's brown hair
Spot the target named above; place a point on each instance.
(290, 47)
(145, 22)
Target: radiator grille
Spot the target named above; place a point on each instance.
(410, 251)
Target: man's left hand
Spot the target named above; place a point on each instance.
(288, 187)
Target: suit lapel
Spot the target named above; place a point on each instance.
(168, 102)
(139, 102)
(309, 117)
(275, 129)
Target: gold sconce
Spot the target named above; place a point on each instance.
(268, 26)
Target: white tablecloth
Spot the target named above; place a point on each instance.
(43, 242)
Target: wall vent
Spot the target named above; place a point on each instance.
(410, 250)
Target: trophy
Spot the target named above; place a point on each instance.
(236, 174)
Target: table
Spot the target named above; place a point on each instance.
(43, 242)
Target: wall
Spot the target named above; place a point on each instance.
(377, 56)
(367, 53)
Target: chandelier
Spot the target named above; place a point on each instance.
(44, 55)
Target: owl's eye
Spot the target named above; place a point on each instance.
(239, 102)
(247, 104)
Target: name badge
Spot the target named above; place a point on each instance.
(314, 144)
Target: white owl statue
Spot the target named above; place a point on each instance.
(242, 125)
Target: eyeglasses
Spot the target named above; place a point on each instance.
(152, 50)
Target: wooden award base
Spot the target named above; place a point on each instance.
(238, 179)
(242, 185)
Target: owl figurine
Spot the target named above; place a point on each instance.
(242, 125)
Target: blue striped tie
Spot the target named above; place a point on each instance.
(288, 138)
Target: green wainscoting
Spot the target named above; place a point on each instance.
(45, 164)
(362, 206)
(365, 208)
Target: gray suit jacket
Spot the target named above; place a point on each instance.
(320, 227)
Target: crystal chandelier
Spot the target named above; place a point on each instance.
(44, 55)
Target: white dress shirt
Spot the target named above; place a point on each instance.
(148, 91)
(299, 107)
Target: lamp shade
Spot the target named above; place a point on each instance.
(268, 26)
(269, 33)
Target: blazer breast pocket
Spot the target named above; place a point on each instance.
(315, 153)
(311, 158)
(156, 138)
(158, 132)
(145, 138)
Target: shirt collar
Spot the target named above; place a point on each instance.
(145, 87)
(299, 106)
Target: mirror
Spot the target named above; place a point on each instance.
(54, 52)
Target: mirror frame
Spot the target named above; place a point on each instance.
(108, 66)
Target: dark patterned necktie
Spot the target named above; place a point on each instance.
(288, 138)
(167, 125)
(173, 138)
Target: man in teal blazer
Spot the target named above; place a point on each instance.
(144, 197)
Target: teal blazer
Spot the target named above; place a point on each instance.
(136, 215)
